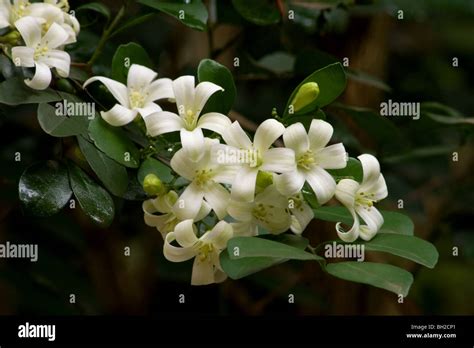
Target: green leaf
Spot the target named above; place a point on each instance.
(353, 170)
(331, 81)
(113, 175)
(243, 267)
(260, 12)
(153, 166)
(444, 114)
(133, 22)
(192, 13)
(94, 200)
(58, 122)
(95, 7)
(222, 101)
(393, 222)
(44, 188)
(277, 62)
(409, 247)
(306, 119)
(14, 92)
(114, 142)
(256, 247)
(380, 275)
(367, 79)
(125, 56)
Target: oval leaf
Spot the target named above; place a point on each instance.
(380, 275)
(95, 7)
(260, 12)
(125, 56)
(210, 70)
(14, 92)
(58, 122)
(93, 199)
(353, 170)
(153, 166)
(113, 175)
(44, 188)
(114, 143)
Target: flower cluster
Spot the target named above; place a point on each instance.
(44, 28)
(234, 184)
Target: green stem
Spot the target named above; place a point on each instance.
(106, 36)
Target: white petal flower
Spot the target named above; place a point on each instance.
(41, 51)
(166, 220)
(190, 101)
(360, 198)
(137, 97)
(312, 158)
(206, 177)
(11, 12)
(263, 158)
(205, 250)
(301, 213)
(269, 210)
(47, 14)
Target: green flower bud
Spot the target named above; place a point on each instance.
(11, 38)
(306, 95)
(153, 186)
(264, 179)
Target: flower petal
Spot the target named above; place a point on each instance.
(353, 233)
(162, 122)
(59, 60)
(189, 203)
(203, 272)
(320, 132)
(149, 109)
(55, 36)
(371, 171)
(278, 160)
(30, 30)
(301, 217)
(322, 184)
(215, 122)
(241, 211)
(140, 77)
(373, 221)
(244, 229)
(219, 235)
(267, 133)
(272, 197)
(295, 138)
(183, 90)
(42, 77)
(217, 197)
(203, 92)
(23, 56)
(332, 157)
(193, 143)
(379, 190)
(176, 254)
(289, 183)
(118, 90)
(118, 116)
(203, 212)
(160, 89)
(346, 191)
(243, 189)
(236, 137)
(180, 164)
(185, 233)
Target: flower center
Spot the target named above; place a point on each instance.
(306, 160)
(137, 100)
(205, 251)
(40, 51)
(19, 10)
(365, 200)
(190, 119)
(203, 177)
(262, 213)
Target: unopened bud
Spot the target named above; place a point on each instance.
(306, 95)
(264, 179)
(153, 186)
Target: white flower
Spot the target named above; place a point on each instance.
(11, 12)
(269, 210)
(137, 97)
(360, 198)
(40, 51)
(190, 101)
(206, 177)
(264, 158)
(167, 220)
(301, 213)
(312, 158)
(205, 250)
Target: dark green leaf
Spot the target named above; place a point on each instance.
(380, 275)
(14, 92)
(114, 143)
(58, 121)
(243, 267)
(331, 81)
(95, 7)
(125, 56)
(113, 175)
(94, 200)
(153, 166)
(393, 222)
(367, 79)
(353, 170)
(210, 70)
(44, 188)
(260, 12)
(409, 247)
(192, 13)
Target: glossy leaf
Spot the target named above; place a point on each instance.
(353, 170)
(153, 166)
(59, 122)
(14, 92)
(260, 12)
(125, 56)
